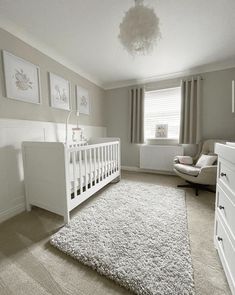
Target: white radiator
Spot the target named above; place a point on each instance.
(159, 157)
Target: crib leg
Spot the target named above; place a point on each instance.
(116, 180)
(66, 218)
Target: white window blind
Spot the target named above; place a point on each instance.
(162, 107)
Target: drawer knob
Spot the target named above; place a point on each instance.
(221, 207)
(220, 239)
(222, 174)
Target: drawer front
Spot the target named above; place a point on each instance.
(226, 175)
(226, 208)
(227, 254)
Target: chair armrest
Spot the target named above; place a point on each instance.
(176, 160)
(209, 169)
(187, 160)
(207, 175)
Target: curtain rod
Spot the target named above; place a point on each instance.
(194, 78)
(152, 89)
(174, 85)
(179, 78)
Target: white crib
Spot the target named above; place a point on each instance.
(59, 177)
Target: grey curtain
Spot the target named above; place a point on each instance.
(190, 111)
(137, 115)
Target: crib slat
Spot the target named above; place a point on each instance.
(116, 162)
(102, 163)
(90, 165)
(85, 170)
(105, 154)
(80, 169)
(115, 157)
(95, 165)
(98, 159)
(111, 163)
(108, 159)
(74, 173)
(112, 160)
(118, 157)
(108, 156)
(105, 161)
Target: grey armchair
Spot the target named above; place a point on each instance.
(198, 178)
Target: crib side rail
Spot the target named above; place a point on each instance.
(92, 164)
(89, 146)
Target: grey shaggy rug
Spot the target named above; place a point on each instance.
(135, 234)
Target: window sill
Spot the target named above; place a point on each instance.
(162, 141)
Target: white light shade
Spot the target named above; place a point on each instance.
(139, 29)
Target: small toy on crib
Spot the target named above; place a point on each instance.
(74, 136)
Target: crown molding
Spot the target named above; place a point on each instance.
(43, 48)
(217, 66)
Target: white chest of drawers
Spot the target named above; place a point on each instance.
(225, 211)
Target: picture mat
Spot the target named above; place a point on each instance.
(59, 86)
(12, 66)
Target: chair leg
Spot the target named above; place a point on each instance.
(196, 187)
(186, 185)
(208, 189)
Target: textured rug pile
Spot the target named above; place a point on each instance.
(135, 234)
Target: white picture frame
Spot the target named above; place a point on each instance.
(59, 92)
(22, 79)
(83, 100)
(161, 131)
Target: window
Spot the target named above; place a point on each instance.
(162, 107)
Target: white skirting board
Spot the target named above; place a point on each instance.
(12, 133)
(8, 213)
(137, 169)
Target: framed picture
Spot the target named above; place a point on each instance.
(83, 100)
(59, 92)
(162, 130)
(22, 79)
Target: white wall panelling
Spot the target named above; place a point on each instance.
(12, 133)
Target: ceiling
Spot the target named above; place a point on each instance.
(197, 36)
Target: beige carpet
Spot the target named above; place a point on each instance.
(30, 265)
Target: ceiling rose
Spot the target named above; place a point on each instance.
(139, 29)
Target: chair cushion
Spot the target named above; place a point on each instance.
(186, 169)
(187, 160)
(206, 160)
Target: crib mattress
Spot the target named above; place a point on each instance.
(91, 173)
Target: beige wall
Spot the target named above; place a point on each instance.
(20, 110)
(217, 118)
